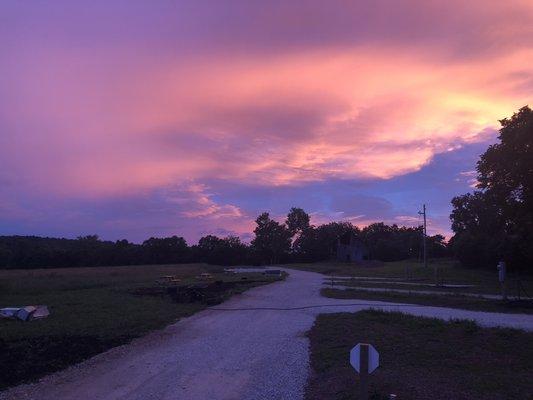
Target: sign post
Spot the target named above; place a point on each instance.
(364, 359)
(502, 272)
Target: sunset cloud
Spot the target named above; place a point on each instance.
(109, 102)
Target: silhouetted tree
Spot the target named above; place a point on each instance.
(272, 240)
(272, 243)
(166, 250)
(297, 221)
(497, 221)
(301, 232)
(327, 237)
(226, 251)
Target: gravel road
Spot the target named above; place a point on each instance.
(251, 347)
(423, 291)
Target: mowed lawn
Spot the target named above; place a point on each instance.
(420, 358)
(485, 280)
(448, 301)
(92, 310)
(420, 278)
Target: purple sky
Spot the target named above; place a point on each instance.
(132, 119)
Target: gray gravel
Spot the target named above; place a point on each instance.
(423, 291)
(448, 285)
(251, 347)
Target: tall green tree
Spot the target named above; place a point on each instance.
(327, 237)
(297, 221)
(172, 249)
(222, 251)
(301, 231)
(272, 240)
(497, 221)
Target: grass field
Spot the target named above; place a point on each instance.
(92, 310)
(420, 358)
(452, 301)
(448, 272)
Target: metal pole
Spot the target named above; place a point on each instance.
(502, 278)
(424, 234)
(363, 374)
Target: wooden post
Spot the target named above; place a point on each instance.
(502, 272)
(363, 374)
(504, 291)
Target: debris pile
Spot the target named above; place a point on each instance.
(207, 293)
(25, 313)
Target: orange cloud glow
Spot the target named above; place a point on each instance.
(152, 97)
(345, 113)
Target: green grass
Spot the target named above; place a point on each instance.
(448, 272)
(449, 301)
(92, 310)
(420, 358)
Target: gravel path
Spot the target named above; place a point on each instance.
(423, 291)
(251, 347)
(398, 282)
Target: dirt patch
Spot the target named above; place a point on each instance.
(203, 292)
(26, 359)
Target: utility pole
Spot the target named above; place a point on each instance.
(424, 234)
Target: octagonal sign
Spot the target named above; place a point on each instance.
(373, 357)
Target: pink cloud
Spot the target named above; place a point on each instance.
(121, 116)
(200, 203)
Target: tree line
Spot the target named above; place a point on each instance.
(495, 222)
(294, 240)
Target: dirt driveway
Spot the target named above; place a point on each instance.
(251, 347)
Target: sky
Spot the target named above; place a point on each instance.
(132, 119)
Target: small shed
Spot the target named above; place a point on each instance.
(351, 249)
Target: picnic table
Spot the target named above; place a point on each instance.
(168, 279)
